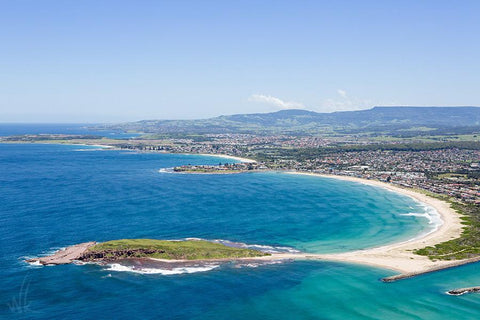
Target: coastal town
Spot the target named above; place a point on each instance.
(450, 169)
(450, 172)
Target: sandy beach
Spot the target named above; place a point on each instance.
(399, 256)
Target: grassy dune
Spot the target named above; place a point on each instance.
(173, 250)
(464, 247)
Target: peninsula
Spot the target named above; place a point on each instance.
(225, 168)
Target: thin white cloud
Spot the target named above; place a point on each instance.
(342, 93)
(344, 102)
(275, 101)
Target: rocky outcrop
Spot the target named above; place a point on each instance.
(458, 292)
(112, 255)
(65, 256)
(81, 252)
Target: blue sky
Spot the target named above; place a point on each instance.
(96, 61)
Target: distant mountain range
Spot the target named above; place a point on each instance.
(405, 121)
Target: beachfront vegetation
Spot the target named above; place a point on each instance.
(464, 247)
(165, 249)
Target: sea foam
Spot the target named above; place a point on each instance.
(122, 268)
(431, 214)
(259, 247)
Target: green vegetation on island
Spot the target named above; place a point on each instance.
(166, 249)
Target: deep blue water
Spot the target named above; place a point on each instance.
(52, 196)
(12, 129)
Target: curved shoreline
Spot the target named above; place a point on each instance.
(399, 256)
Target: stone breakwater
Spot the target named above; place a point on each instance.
(446, 265)
(458, 292)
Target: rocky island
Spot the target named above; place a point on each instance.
(185, 250)
(221, 168)
(459, 292)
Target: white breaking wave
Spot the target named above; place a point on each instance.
(259, 247)
(166, 170)
(121, 268)
(53, 250)
(258, 263)
(430, 214)
(433, 217)
(34, 264)
(46, 253)
(421, 215)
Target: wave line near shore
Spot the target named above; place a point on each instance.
(399, 256)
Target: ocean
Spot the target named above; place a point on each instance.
(11, 129)
(52, 196)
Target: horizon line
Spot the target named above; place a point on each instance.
(226, 115)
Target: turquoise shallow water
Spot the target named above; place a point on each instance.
(56, 195)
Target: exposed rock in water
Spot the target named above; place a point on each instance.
(68, 255)
(80, 252)
(113, 255)
(458, 292)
